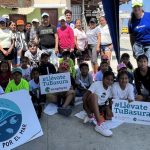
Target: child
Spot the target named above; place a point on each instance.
(33, 53)
(84, 79)
(103, 68)
(125, 58)
(123, 89)
(122, 67)
(45, 66)
(36, 96)
(142, 79)
(26, 69)
(96, 101)
(5, 74)
(66, 58)
(17, 83)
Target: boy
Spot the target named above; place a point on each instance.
(142, 79)
(17, 83)
(84, 79)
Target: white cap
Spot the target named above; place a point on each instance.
(5, 16)
(45, 14)
(62, 18)
(35, 20)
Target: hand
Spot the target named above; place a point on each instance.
(130, 100)
(5, 53)
(98, 49)
(71, 50)
(56, 51)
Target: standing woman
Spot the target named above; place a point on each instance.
(6, 42)
(139, 29)
(80, 40)
(106, 42)
(93, 36)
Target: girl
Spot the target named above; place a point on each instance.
(96, 101)
(36, 96)
(5, 74)
(125, 58)
(26, 69)
(122, 89)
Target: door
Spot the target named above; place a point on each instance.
(53, 15)
(15, 17)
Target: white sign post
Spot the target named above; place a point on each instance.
(134, 112)
(18, 120)
(55, 83)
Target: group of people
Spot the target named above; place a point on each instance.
(42, 49)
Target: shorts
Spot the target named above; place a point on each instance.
(9, 57)
(92, 53)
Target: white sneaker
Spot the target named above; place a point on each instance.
(90, 120)
(103, 130)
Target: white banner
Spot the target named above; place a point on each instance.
(18, 120)
(134, 112)
(55, 83)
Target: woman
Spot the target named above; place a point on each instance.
(80, 40)
(139, 29)
(93, 36)
(6, 42)
(106, 42)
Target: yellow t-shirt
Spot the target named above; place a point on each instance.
(11, 87)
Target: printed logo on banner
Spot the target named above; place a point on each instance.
(10, 119)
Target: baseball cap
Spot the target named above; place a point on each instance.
(2, 19)
(62, 18)
(137, 3)
(64, 66)
(93, 20)
(17, 70)
(5, 16)
(35, 20)
(45, 14)
(20, 22)
(120, 66)
(105, 58)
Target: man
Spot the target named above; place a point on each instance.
(47, 36)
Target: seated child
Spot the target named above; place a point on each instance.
(46, 67)
(103, 68)
(17, 83)
(66, 58)
(83, 80)
(96, 103)
(123, 90)
(5, 74)
(122, 67)
(33, 53)
(142, 79)
(125, 58)
(26, 69)
(37, 99)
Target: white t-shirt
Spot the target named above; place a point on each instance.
(5, 38)
(105, 35)
(33, 85)
(1, 90)
(126, 94)
(81, 38)
(26, 73)
(92, 35)
(103, 94)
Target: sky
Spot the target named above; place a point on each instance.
(128, 8)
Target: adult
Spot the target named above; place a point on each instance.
(47, 36)
(94, 38)
(106, 42)
(7, 19)
(6, 42)
(65, 36)
(80, 40)
(139, 30)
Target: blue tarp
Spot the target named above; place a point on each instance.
(111, 9)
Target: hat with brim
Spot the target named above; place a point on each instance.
(2, 19)
(5, 16)
(45, 14)
(121, 66)
(62, 18)
(137, 3)
(35, 20)
(19, 70)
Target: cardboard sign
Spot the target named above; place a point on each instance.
(18, 120)
(134, 112)
(55, 83)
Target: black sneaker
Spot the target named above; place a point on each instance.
(64, 111)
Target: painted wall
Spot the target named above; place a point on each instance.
(35, 14)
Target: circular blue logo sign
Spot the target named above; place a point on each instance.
(10, 119)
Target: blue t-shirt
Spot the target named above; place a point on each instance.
(99, 76)
(71, 24)
(141, 29)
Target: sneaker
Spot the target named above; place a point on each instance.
(103, 130)
(90, 120)
(64, 111)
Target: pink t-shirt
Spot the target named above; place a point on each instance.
(66, 38)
